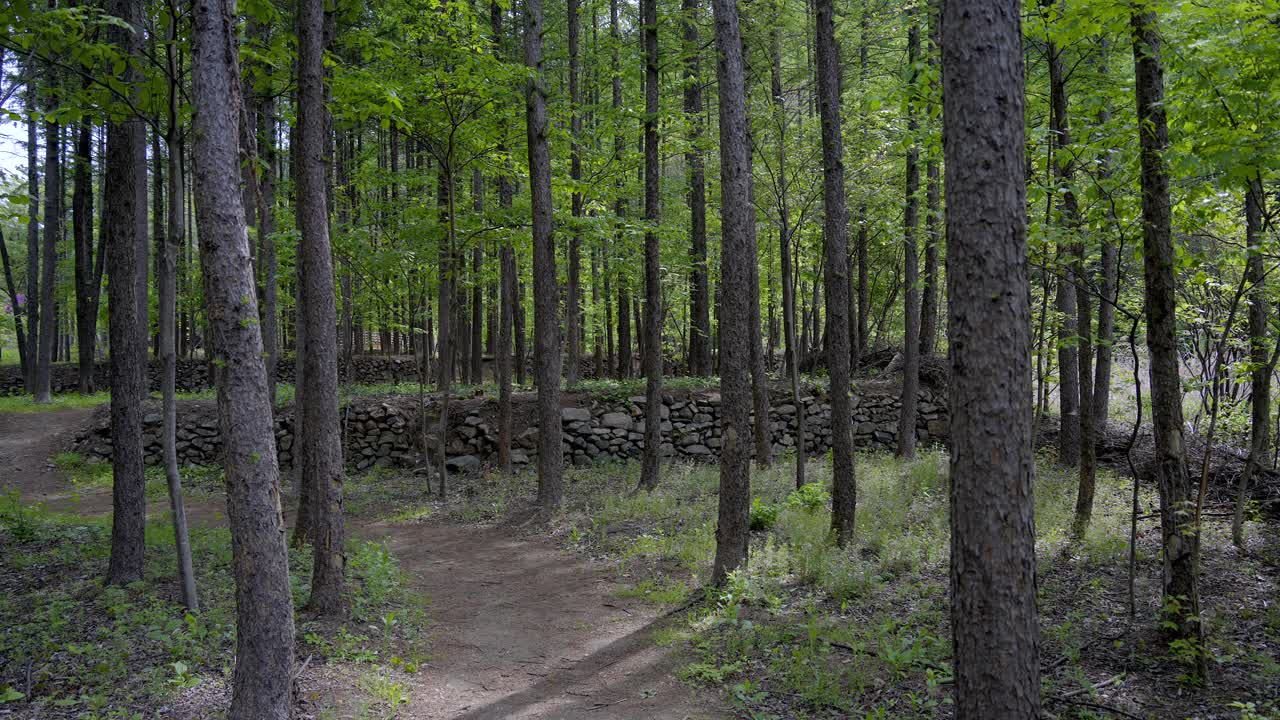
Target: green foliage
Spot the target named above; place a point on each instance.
(764, 515)
(97, 650)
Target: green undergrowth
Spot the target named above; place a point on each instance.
(86, 473)
(811, 630)
(72, 647)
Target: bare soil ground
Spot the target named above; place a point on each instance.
(521, 628)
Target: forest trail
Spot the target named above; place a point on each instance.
(520, 628)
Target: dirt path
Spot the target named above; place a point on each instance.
(28, 442)
(520, 627)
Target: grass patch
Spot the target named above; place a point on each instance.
(811, 630)
(71, 647)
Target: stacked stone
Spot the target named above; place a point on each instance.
(385, 432)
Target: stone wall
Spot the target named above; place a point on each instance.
(193, 375)
(385, 432)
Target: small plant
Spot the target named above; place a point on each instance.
(15, 519)
(811, 498)
(764, 515)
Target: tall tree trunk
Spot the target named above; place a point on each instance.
(33, 232)
(507, 271)
(1082, 353)
(126, 144)
(700, 289)
(546, 336)
(911, 265)
(993, 576)
(49, 259)
(266, 237)
(933, 202)
(738, 252)
(85, 278)
(573, 295)
(864, 240)
(477, 287)
(167, 277)
(1180, 540)
(652, 261)
(1109, 296)
(263, 681)
(321, 452)
(1260, 365)
(835, 233)
(784, 250)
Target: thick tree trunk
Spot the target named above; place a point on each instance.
(911, 267)
(263, 681)
(654, 312)
(738, 252)
(835, 232)
(126, 143)
(86, 281)
(321, 452)
(993, 578)
(545, 291)
(1180, 540)
(49, 259)
(699, 285)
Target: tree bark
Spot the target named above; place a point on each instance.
(545, 291)
(321, 452)
(167, 277)
(126, 143)
(993, 579)
(1075, 285)
(785, 233)
(933, 204)
(267, 259)
(911, 267)
(1260, 366)
(738, 252)
(49, 259)
(695, 158)
(649, 468)
(86, 280)
(263, 680)
(33, 232)
(835, 232)
(1180, 541)
(573, 296)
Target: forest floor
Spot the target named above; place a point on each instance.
(474, 621)
(465, 609)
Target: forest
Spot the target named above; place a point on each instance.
(615, 359)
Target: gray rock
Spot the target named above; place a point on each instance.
(463, 464)
(616, 420)
(573, 414)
